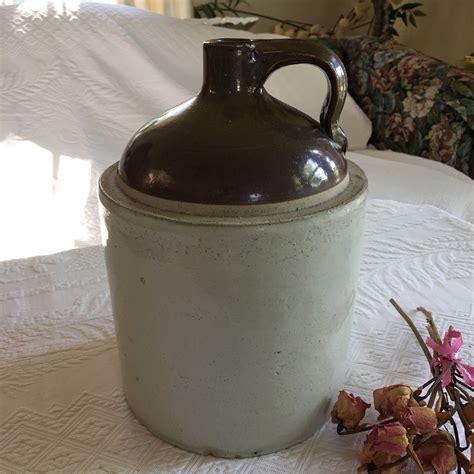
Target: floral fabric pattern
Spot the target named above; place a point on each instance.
(418, 105)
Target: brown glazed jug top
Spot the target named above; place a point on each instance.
(234, 144)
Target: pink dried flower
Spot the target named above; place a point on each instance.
(384, 444)
(389, 401)
(448, 354)
(348, 410)
(437, 453)
(419, 420)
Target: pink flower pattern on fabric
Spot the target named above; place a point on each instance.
(447, 354)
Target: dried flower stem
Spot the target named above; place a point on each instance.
(301, 23)
(431, 324)
(337, 22)
(460, 382)
(432, 331)
(360, 25)
(463, 462)
(454, 394)
(439, 403)
(421, 387)
(435, 388)
(369, 31)
(463, 394)
(413, 328)
(455, 430)
(267, 17)
(362, 428)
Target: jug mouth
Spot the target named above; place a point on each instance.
(230, 43)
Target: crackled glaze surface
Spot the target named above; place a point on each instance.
(233, 332)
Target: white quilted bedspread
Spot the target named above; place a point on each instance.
(61, 406)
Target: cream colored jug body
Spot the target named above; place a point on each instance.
(233, 330)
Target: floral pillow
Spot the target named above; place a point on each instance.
(418, 105)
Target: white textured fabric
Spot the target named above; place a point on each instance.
(61, 405)
(134, 56)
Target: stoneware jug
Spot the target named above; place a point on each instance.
(232, 239)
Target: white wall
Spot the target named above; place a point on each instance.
(309, 11)
(447, 32)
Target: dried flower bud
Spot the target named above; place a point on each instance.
(389, 401)
(302, 34)
(418, 419)
(384, 444)
(362, 8)
(278, 29)
(344, 23)
(437, 453)
(290, 32)
(316, 29)
(348, 410)
(339, 33)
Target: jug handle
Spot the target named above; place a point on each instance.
(274, 54)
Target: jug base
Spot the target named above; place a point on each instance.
(216, 452)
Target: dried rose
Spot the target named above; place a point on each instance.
(348, 410)
(344, 23)
(316, 29)
(384, 444)
(437, 453)
(418, 419)
(389, 401)
(278, 29)
(302, 34)
(339, 33)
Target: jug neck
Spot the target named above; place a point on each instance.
(230, 67)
